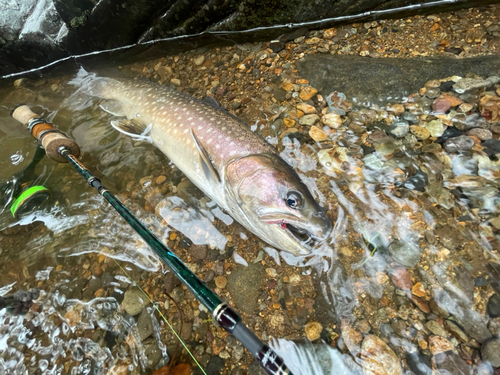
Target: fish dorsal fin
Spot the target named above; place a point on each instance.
(113, 107)
(208, 168)
(210, 100)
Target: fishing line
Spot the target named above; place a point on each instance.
(155, 305)
(372, 14)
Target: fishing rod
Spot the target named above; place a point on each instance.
(62, 149)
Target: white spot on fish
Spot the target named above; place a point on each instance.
(217, 146)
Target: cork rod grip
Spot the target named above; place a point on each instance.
(50, 138)
(23, 114)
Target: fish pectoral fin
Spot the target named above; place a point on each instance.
(113, 107)
(208, 168)
(128, 127)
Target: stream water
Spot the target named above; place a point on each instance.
(408, 281)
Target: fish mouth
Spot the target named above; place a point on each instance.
(305, 233)
(302, 236)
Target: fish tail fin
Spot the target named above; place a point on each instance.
(90, 84)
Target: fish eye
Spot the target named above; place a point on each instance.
(293, 199)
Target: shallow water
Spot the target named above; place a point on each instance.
(412, 267)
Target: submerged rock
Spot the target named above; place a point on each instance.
(134, 301)
(405, 253)
(378, 358)
(460, 143)
(493, 307)
(468, 84)
(491, 352)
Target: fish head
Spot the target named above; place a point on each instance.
(276, 204)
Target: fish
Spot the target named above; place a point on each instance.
(222, 156)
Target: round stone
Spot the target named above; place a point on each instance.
(419, 132)
(482, 134)
(491, 352)
(435, 128)
(309, 120)
(313, 330)
(134, 301)
(221, 282)
(332, 120)
(440, 106)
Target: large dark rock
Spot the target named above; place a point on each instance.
(35, 33)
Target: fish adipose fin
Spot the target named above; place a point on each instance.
(208, 168)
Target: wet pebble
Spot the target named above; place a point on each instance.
(405, 253)
(439, 344)
(494, 326)
(420, 303)
(397, 109)
(313, 330)
(493, 306)
(495, 128)
(419, 132)
(307, 92)
(221, 282)
(171, 281)
(460, 143)
(378, 358)
(455, 330)
(431, 148)
(399, 129)
(490, 352)
(371, 161)
(440, 106)
(332, 120)
(144, 325)
(317, 134)
(198, 252)
(435, 328)
(492, 144)
(306, 108)
(435, 128)
(401, 278)
(482, 134)
(450, 363)
(309, 120)
(134, 301)
(199, 60)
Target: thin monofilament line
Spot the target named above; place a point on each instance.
(161, 314)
